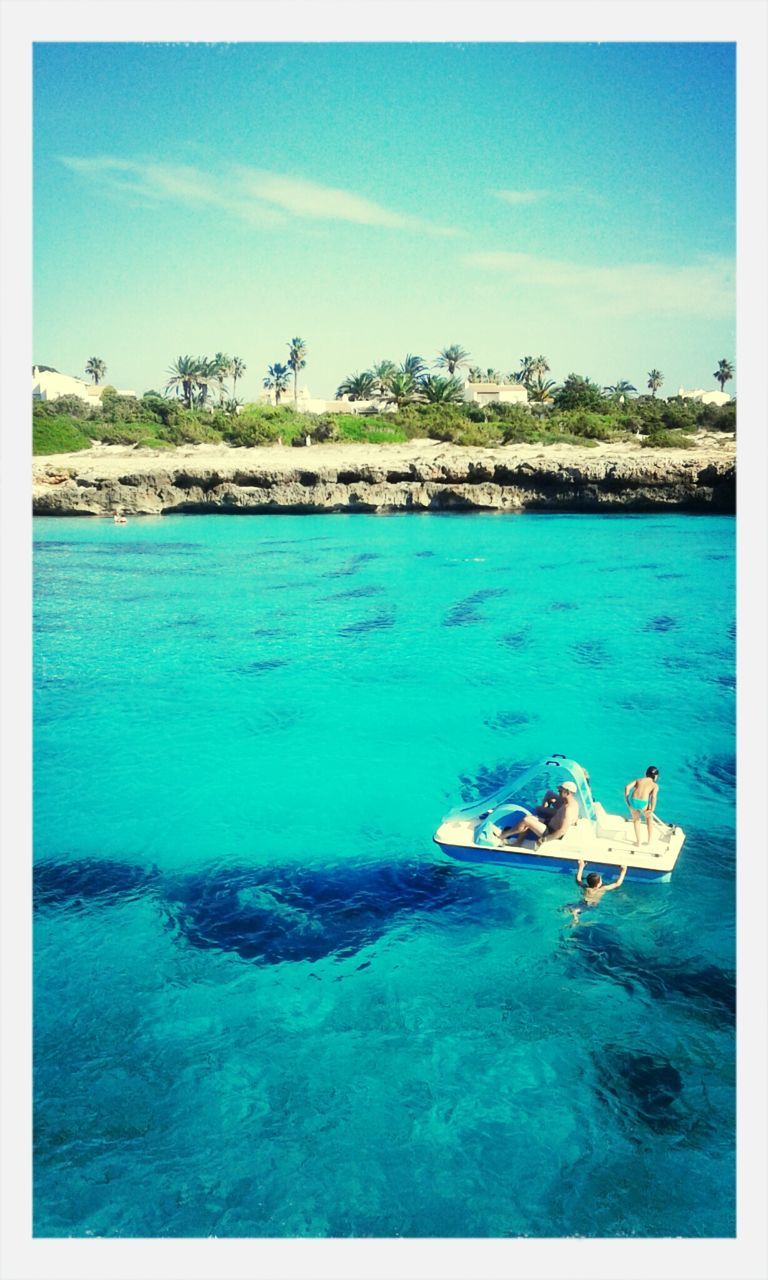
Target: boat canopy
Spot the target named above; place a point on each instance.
(528, 788)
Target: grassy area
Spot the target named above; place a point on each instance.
(61, 434)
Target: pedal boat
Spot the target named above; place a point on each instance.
(606, 841)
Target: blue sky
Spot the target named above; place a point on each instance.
(575, 200)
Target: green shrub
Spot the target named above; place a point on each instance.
(324, 430)
(65, 406)
(567, 437)
(165, 411)
(485, 434)
(548, 433)
(351, 427)
(385, 435)
(154, 442)
(244, 433)
(677, 414)
(370, 430)
(431, 420)
(717, 417)
(524, 433)
(499, 411)
(189, 428)
(668, 440)
(578, 392)
(115, 408)
(264, 424)
(57, 435)
(123, 432)
(589, 425)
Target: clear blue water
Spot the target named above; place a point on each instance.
(265, 1004)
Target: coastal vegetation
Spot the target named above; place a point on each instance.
(158, 422)
(401, 402)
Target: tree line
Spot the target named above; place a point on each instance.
(411, 382)
(200, 381)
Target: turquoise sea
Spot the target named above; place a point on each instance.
(264, 1003)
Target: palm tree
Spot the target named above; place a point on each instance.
(655, 380)
(297, 350)
(539, 366)
(526, 370)
(403, 388)
(620, 391)
(96, 369)
(185, 374)
(415, 366)
(438, 390)
(493, 375)
(207, 374)
(475, 374)
(723, 373)
(222, 367)
(382, 373)
(452, 358)
(358, 386)
(237, 370)
(540, 391)
(278, 379)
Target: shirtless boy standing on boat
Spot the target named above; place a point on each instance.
(640, 795)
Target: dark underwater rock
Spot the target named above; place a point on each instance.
(88, 880)
(708, 990)
(279, 913)
(648, 1084)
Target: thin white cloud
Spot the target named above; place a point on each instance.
(520, 197)
(564, 195)
(255, 195)
(704, 288)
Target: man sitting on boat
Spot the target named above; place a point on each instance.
(560, 817)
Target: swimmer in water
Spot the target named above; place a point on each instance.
(593, 888)
(640, 795)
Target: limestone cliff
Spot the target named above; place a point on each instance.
(386, 478)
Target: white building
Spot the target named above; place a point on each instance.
(49, 385)
(305, 403)
(490, 392)
(704, 397)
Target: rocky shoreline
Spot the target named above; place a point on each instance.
(419, 476)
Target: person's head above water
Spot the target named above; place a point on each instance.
(594, 879)
(652, 772)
